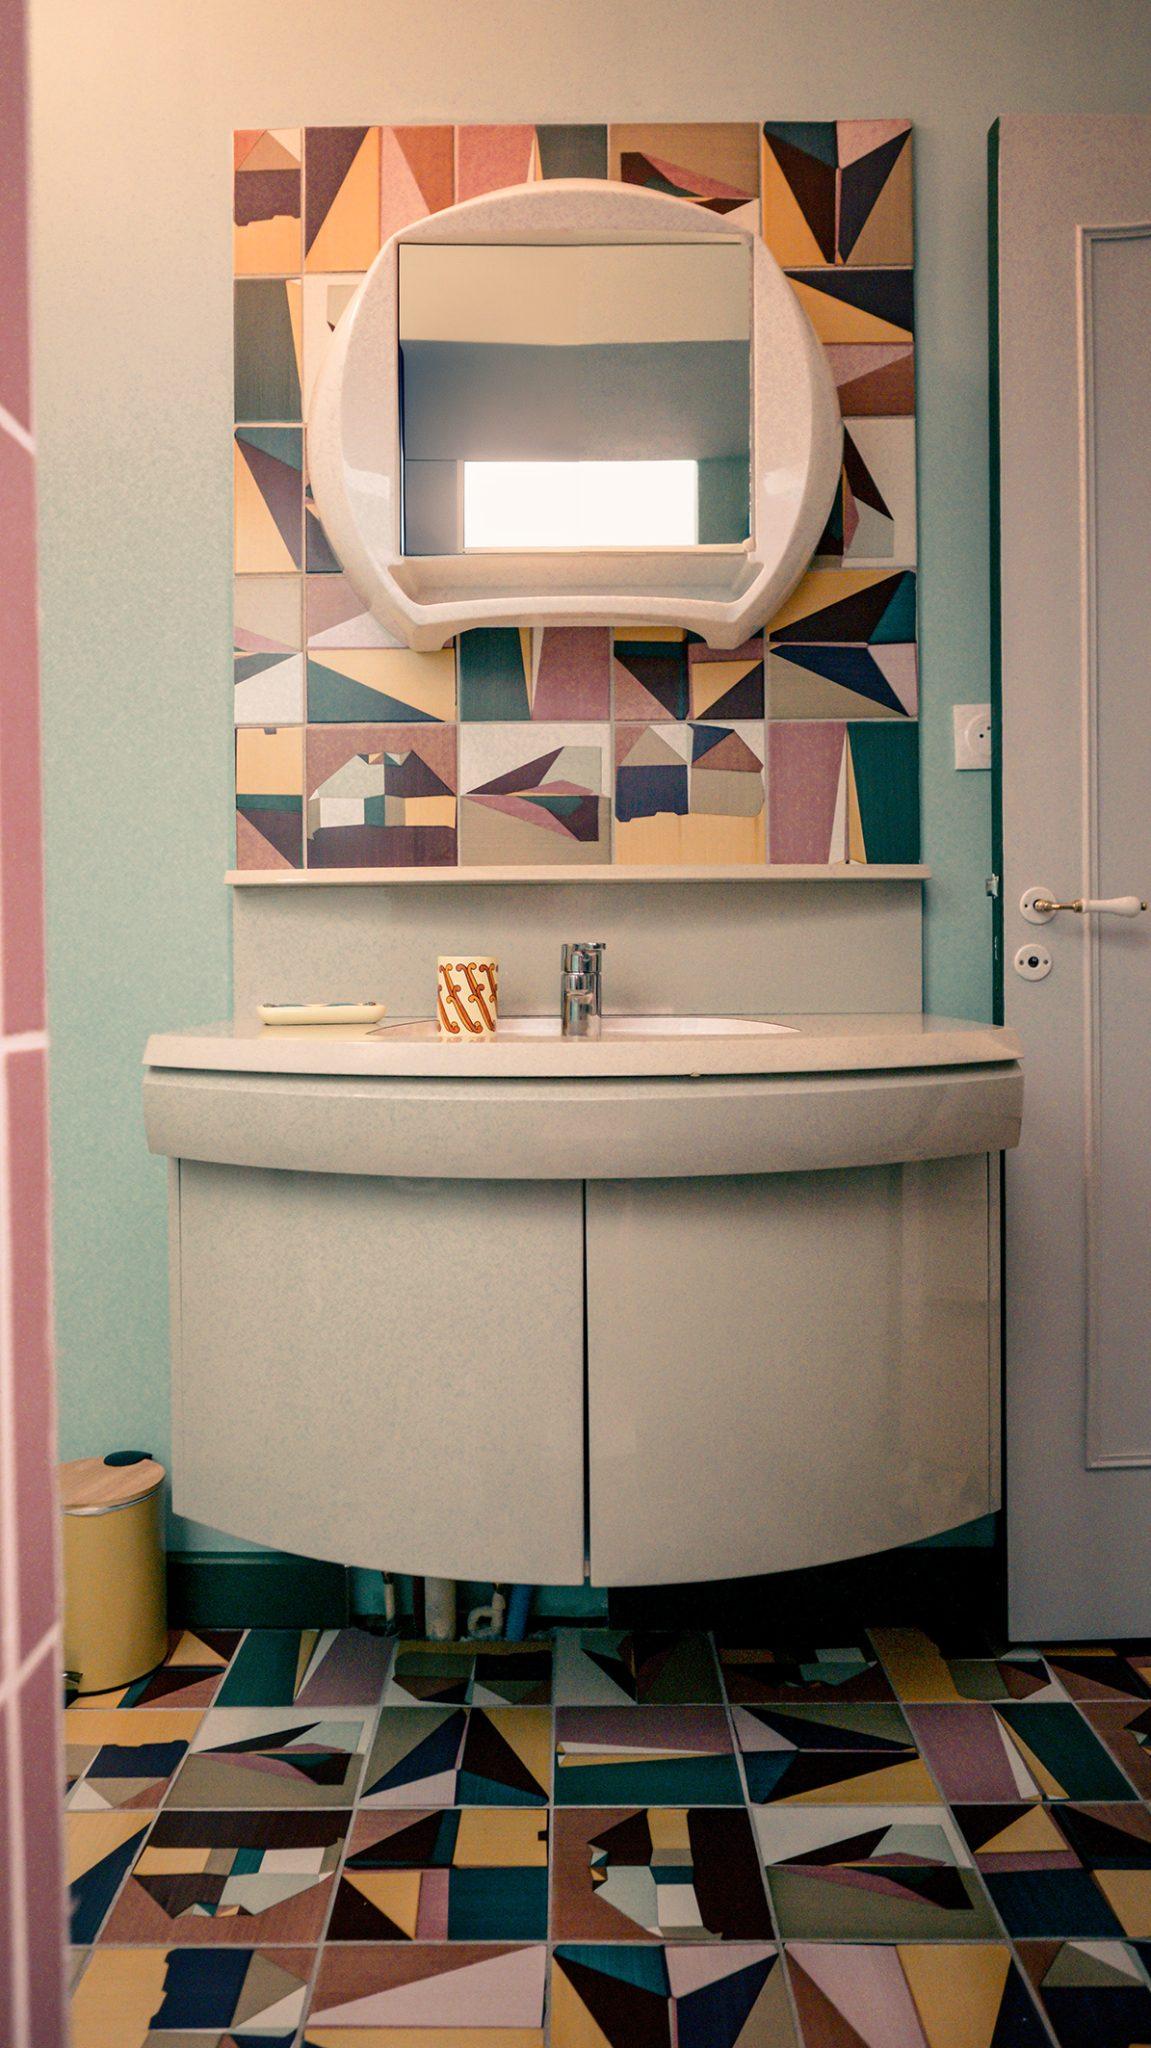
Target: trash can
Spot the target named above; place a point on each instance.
(115, 1609)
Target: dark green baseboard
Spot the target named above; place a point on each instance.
(255, 1589)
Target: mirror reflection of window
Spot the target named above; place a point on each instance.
(588, 396)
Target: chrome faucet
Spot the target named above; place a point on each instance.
(581, 999)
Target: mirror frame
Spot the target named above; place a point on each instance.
(725, 593)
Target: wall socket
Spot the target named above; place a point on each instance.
(972, 735)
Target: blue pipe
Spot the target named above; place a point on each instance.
(518, 1614)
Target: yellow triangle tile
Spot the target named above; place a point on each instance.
(856, 848)
(572, 2023)
(957, 1991)
(1033, 1831)
(394, 1892)
(914, 1665)
(785, 230)
(836, 321)
(711, 680)
(350, 236)
(1128, 1893)
(260, 546)
(906, 1784)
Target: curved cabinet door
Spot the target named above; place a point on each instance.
(786, 1369)
(383, 1372)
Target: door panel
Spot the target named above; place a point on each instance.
(384, 1372)
(1073, 316)
(784, 1369)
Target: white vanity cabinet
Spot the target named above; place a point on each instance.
(488, 1359)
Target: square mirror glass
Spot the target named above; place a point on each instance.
(574, 396)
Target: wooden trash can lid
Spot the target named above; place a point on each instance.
(91, 1486)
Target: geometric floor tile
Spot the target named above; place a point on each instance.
(1096, 1994)
(898, 1873)
(115, 1759)
(1093, 1671)
(232, 1878)
(166, 1998)
(1125, 1727)
(471, 1674)
(922, 1669)
(1015, 1752)
(1062, 1870)
(798, 1672)
(414, 1994)
(912, 1995)
(734, 1997)
(460, 1756)
(310, 1667)
(263, 1757)
(476, 1874)
(827, 1756)
(190, 1675)
(608, 1667)
(100, 1849)
(645, 1755)
(665, 1872)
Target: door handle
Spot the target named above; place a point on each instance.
(1039, 905)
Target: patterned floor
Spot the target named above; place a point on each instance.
(325, 1840)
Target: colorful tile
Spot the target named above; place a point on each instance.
(231, 1878)
(871, 1873)
(690, 794)
(488, 157)
(471, 1674)
(417, 175)
(342, 202)
(1126, 1730)
(873, 380)
(1094, 1993)
(857, 308)
(381, 796)
(267, 343)
(873, 517)
(268, 475)
(830, 1756)
(461, 1994)
(366, 685)
(936, 1994)
(650, 674)
(664, 1873)
(100, 1850)
(609, 1666)
(714, 164)
(925, 1669)
(1063, 1870)
(650, 1755)
(1014, 1752)
(799, 1672)
(123, 1760)
(255, 1758)
(149, 1997)
(267, 635)
(837, 192)
(270, 797)
(807, 788)
(480, 1874)
(307, 1667)
(325, 299)
(266, 211)
(268, 689)
(462, 1756)
(541, 673)
(535, 795)
(338, 620)
(189, 1676)
(1095, 1671)
(621, 1996)
(725, 685)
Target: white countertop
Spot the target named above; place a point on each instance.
(811, 1045)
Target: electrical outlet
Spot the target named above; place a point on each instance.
(972, 735)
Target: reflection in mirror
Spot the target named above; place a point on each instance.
(574, 396)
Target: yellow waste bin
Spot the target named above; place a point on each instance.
(115, 1608)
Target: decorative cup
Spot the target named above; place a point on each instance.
(467, 998)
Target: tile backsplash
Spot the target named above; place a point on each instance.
(553, 747)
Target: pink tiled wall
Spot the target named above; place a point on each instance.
(31, 1896)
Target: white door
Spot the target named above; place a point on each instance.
(1074, 345)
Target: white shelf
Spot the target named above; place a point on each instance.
(436, 878)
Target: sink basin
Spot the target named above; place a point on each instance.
(422, 1030)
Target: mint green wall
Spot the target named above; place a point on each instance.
(134, 103)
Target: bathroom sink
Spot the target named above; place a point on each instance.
(422, 1030)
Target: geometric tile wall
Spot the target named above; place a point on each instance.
(564, 747)
(31, 1874)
